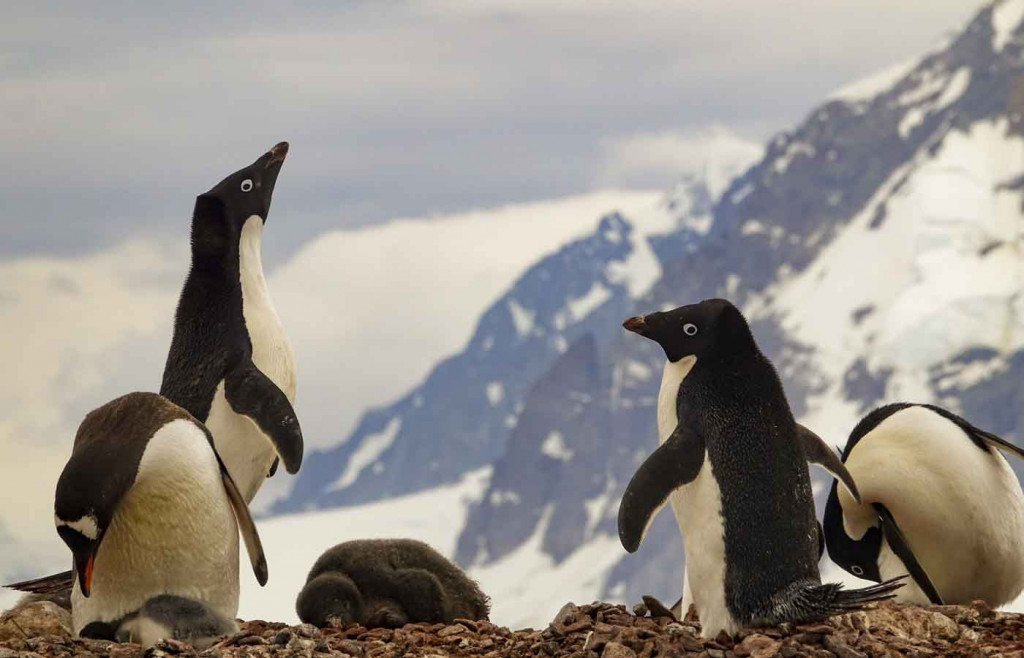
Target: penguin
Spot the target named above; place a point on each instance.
(734, 461)
(939, 502)
(177, 618)
(388, 583)
(148, 509)
(230, 363)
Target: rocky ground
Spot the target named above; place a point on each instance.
(590, 631)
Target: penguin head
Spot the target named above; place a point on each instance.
(82, 535)
(221, 213)
(711, 328)
(858, 556)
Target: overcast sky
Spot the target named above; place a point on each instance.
(114, 116)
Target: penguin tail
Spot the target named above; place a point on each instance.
(814, 601)
(54, 584)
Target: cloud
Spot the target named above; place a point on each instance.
(368, 312)
(393, 109)
(659, 159)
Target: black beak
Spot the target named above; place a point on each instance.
(276, 154)
(83, 567)
(636, 324)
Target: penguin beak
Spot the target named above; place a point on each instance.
(83, 567)
(277, 154)
(636, 324)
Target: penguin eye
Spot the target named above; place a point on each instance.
(857, 570)
(690, 329)
(247, 185)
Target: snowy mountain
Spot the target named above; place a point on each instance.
(875, 249)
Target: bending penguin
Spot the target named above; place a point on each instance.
(734, 461)
(148, 510)
(939, 502)
(230, 364)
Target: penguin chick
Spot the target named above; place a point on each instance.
(938, 502)
(177, 618)
(733, 460)
(388, 583)
(230, 363)
(147, 508)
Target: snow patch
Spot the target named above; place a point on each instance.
(554, 447)
(795, 149)
(372, 447)
(1006, 18)
(499, 498)
(581, 307)
(874, 84)
(495, 393)
(522, 319)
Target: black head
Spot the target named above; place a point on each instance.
(221, 213)
(858, 556)
(714, 327)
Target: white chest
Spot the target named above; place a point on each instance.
(271, 351)
(697, 507)
(174, 532)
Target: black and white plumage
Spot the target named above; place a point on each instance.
(388, 583)
(230, 363)
(938, 502)
(733, 461)
(176, 618)
(148, 509)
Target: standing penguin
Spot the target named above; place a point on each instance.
(938, 502)
(148, 509)
(230, 364)
(736, 461)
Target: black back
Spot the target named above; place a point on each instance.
(734, 398)
(210, 337)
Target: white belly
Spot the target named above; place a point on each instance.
(246, 451)
(173, 533)
(697, 507)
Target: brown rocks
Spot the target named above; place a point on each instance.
(35, 619)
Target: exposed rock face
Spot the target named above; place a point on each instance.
(598, 630)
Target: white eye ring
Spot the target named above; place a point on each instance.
(857, 571)
(247, 185)
(690, 329)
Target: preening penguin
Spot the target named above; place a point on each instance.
(147, 509)
(388, 583)
(938, 501)
(734, 462)
(230, 364)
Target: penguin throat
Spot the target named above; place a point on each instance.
(671, 379)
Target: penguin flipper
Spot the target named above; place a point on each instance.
(898, 544)
(676, 462)
(817, 452)
(999, 442)
(251, 393)
(247, 526)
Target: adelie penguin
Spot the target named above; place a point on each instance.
(388, 583)
(148, 510)
(938, 502)
(734, 462)
(230, 364)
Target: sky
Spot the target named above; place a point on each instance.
(432, 144)
(115, 116)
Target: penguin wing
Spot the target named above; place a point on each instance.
(979, 436)
(247, 526)
(251, 393)
(817, 452)
(676, 462)
(898, 544)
